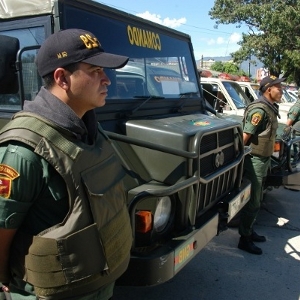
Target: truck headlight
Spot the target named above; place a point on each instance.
(162, 214)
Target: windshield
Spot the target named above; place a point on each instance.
(293, 96)
(160, 62)
(255, 88)
(164, 77)
(237, 94)
(287, 97)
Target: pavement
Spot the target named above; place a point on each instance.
(222, 271)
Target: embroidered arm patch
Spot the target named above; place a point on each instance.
(256, 119)
(7, 174)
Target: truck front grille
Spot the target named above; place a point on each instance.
(214, 190)
(218, 152)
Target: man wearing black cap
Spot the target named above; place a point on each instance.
(259, 125)
(64, 226)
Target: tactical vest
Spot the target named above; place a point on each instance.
(263, 143)
(91, 247)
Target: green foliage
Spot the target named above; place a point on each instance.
(217, 66)
(227, 67)
(273, 32)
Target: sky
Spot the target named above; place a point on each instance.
(190, 17)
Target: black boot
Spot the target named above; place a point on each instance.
(246, 244)
(257, 238)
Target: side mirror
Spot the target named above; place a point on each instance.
(9, 47)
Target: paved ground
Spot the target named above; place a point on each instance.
(221, 271)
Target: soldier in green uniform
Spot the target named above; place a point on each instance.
(293, 115)
(57, 171)
(259, 125)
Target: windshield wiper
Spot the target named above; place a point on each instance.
(184, 100)
(188, 94)
(147, 98)
(238, 103)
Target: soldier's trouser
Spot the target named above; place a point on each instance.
(256, 169)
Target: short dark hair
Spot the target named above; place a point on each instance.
(49, 78)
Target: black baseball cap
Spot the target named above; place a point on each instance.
(268, 81)
(70, 46)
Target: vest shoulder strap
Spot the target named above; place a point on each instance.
(30, 129)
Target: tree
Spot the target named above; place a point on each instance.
(227, 67)
(217, 66)
(273, 32)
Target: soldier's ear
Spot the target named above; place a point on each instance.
(61, 78)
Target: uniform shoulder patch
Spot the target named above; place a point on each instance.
(7, 175)
(255, 119)
(8, 171)
(5, 187)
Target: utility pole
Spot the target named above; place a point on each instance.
(249, 73)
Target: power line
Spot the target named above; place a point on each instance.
(213, 31)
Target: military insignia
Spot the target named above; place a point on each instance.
(7, 175)
(201, 123)
(5, 187)
(256, 119)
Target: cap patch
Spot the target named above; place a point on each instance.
(256, 119)
(89, 41)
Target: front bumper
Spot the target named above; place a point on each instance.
(165, 262)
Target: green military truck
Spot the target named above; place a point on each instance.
(183, 165)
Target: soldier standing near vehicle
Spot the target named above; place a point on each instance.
(64, 226)
(293, 115)
(259, 125)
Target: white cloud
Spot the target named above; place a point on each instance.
(211, 42)
(220, 40)
(234, 38)
(172, 23)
